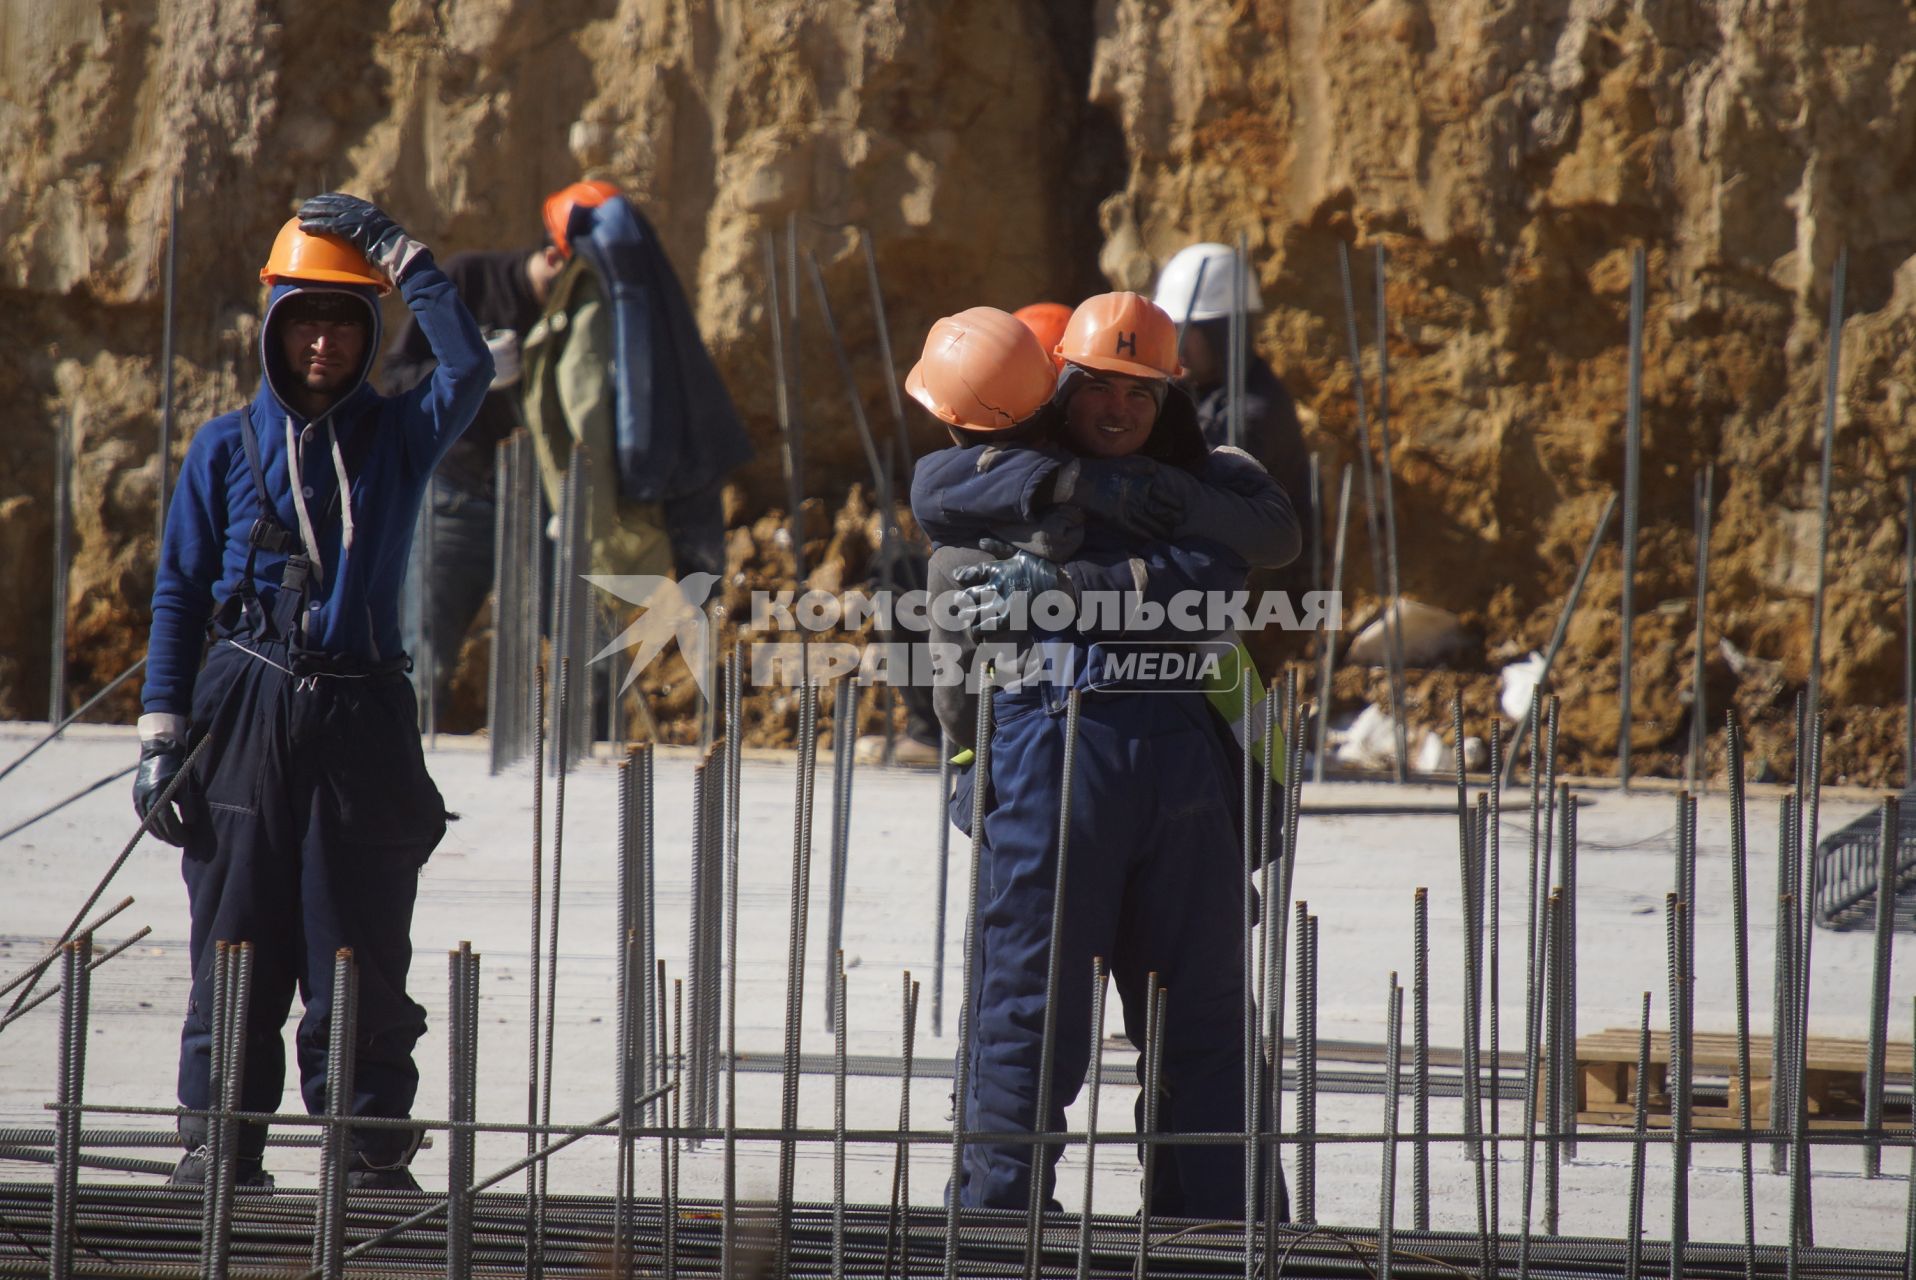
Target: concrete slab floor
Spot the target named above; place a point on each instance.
(1357, 872)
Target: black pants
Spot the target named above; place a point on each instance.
(310, 816)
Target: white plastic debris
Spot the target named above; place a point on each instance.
(1519, 681)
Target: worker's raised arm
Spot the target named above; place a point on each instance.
(441, 407)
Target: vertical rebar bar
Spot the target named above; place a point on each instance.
(844, 729)
(1248, 924)
(1420, 1063)
(75, 997)
(1833, 366)
(1740, 912)
(1472, 1068)
(62, 554)
(1803, 1226)
(1153, 1086)
(213, 1147)
(1632, 500)
(1393, 1085)
(961, 1075)
(1887, 842)
(1394, 615)
(535, 1230)
(1327, 637)
(1091, 1117)
(221, 1170)
(672, 1140)
(1674, 909)
(164, 451)
(1909, 629)
(1494, 900)
(562, 727)
(1054, 959)
(1639, 1131)
(795, 958)
(838, 1117)
(342, 1034)
(733, 764)
(461, 1092)
(1783, 982)
(1567, 1055)
(1698, 773)
(1533, 1030)
(1380, 578)
(898, 1224)
(1306, 1209)
(1553, 1078)
(939, 891)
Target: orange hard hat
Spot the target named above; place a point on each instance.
(1047, 320)
(982, 370)
(560, 204)
(303, 255)
(1122, 333)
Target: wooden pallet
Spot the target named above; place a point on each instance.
(1607, 1080)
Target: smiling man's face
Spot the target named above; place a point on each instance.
(1110, 415)
(324, 354)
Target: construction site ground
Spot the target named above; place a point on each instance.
(1358, 873)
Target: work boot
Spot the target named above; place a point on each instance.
(249, 1172)
(362, 1175)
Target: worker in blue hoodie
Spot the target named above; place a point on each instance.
(275, 653)
(1112, 493)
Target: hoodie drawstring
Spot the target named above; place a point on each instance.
(299, 498)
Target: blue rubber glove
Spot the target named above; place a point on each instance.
(161, 760)
(1129, 494)
(366, 227)
(989, 589)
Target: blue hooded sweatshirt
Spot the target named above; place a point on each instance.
(391, 444)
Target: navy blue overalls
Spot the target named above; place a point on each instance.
(311, 812)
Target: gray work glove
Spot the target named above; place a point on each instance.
(988, 589)
(366, 227)
(1126, 492)
(161, 760)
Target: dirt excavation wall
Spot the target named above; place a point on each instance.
(1508, 155)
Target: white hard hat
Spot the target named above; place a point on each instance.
(1180, 281)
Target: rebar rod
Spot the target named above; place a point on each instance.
(1327, 635)
(1494, 908)
(1889, 844)
(62, 557)
(940, 891)
(1380, 579)
(1803, 1228)
(1909, 630)
(1566, 1120)
(795, 954)
(1632, 502)
(1394, 617)
(73, 715)
(1387, 1178)
(1153, 1087)
(1562, 628)
(838, 1117)
(1420, 1059)
(1782, 1002)
(1553, 1078)
(1740, 913)
(1639, 1130)
(961, 1075)
(329, 1243)
(221, 1169)
(844, 729)
(1248, 923)
(1674, 910)
(883, 331)
(562, 736)
(1833, 366)
(163, 452)
(1533, 1029)
(786, 401)
(1054, 959)
(1306, 1210)
(733, 764)
(76, 996)
(1698, 772)
(1091, 1119)
(899, 1222)
(535, 1229)
(212, 1148)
